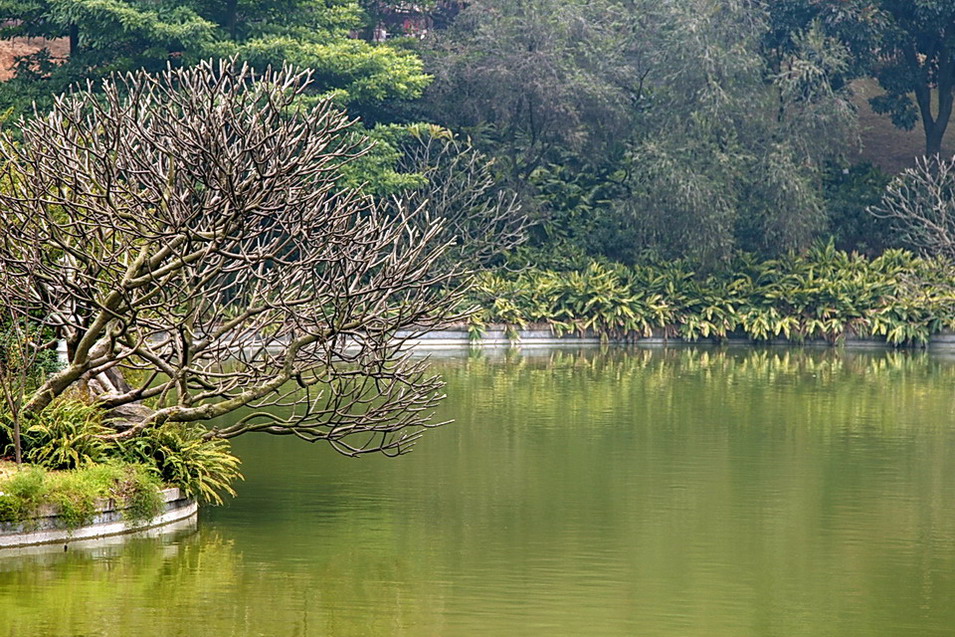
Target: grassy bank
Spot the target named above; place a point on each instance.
(73, 494)
(70, 461)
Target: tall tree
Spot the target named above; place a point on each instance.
(190, 227)
(120, 35)
(731, 149)
(534, 77)
(915, 56)
(644, 124)
(908, 46)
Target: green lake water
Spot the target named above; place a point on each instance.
(640, 492)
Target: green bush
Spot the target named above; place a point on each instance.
(22, 493)
(848, 193)
(65, 435)
(70, 434)
(141, 490)
(74, 493)
(823, 294)
(205, 469)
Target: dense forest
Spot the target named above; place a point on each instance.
(627, 132)
(628, 128)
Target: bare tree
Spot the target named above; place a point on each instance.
(190, 241)
(921, 204)
(24, 356)
(478, 215)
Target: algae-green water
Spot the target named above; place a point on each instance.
(659, 492)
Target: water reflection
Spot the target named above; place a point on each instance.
(650, 492)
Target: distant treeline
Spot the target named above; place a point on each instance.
(628, 129)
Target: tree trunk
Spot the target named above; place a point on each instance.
(945, 75)
(17, 444)
(232, 19)
(933, 140)
(74, 40)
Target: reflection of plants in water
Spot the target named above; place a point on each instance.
(761, 475)
(208, 584)
(799, 432)
(825, 387)
(87, 591)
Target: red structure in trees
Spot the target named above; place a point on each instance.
(409, 19)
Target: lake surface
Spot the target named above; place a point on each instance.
(625, 492)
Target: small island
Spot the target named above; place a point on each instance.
(39, 507)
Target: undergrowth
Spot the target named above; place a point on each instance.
(69, 439)
(74, 494)
(823, 294)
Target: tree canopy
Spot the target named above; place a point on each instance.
(646, 125)
(908, 47)
(123, 35)
(188, 236)
(630, 128)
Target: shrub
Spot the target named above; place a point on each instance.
(849, 192)
(179, 456)
(74, 493)
(23, 492)
(70, 435)
(65, 435)
(823, 294)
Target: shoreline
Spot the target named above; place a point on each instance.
(499, 335)
(47, 527)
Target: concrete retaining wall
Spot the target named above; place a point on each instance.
(542, 336)
(47, 528)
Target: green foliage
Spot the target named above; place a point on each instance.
(732, 146)
(179, 456)
(580, 219)
(849, 193)
(645, 126)
(914, 65)
(74, 494)
(22, 493)
(65, 435)
(824, 294)
(22, 346)
(907, 46)
(139, 489)
(376, 172)
(355, 72)
(532, 76)
(70, 434)
(598, 298)
(125, 35)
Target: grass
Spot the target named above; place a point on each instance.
(74, 493)
(69, 435)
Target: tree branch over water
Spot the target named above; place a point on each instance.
(190, 241)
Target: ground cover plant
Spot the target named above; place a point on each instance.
(74, 494)
(70, 438)
(823, 294)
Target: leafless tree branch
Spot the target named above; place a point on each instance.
(188, 237)
(921, 204)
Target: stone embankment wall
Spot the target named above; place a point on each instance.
(48, 528)
(542, 336)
